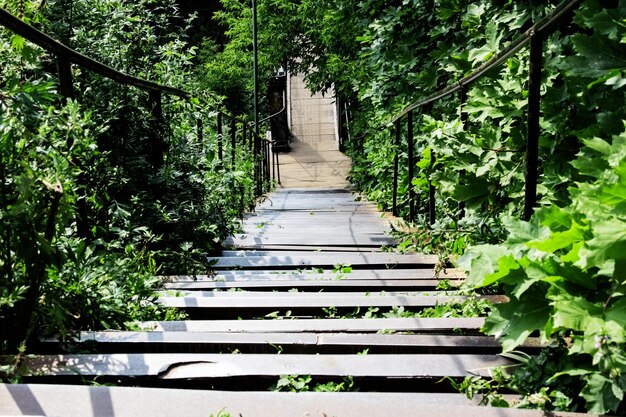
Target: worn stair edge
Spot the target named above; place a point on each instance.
(280, 295)
(308, 285)
(312, 300)
(316, 248)
(313, 241)
(370, 260)
(270, 275)
(175, 366)
(262, 252)
(305, 339)
(317, 325)
(83, 401)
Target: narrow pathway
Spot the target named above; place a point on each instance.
(307, 305)
(315, 160)
(304, 299)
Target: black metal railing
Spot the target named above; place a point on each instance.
(533, 37)
(264, 165)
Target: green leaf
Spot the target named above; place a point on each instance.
(599, 145)
(560, 240)
(609, 242)
(599, 394)
(576, 313)
(522, 232)
(554, 217)
(509, 272)
(514, 321)
(473, 194)
(615, 317)
(596, 57)
(481, 262)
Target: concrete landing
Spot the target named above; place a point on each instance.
(315, 160)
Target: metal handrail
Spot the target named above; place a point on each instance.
(67, 55)
(534, 37)
(542, 26)
(39, 38)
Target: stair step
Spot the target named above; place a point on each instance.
(192, 366)
(308, 300)
(319, 325)
(43, 400)
(309, 275)
(328, 260)
(216, 342)
(329, 285)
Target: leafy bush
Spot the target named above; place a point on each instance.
(99, 193)
(563, 270)
(564, 274)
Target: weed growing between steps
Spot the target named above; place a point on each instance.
(303, 383)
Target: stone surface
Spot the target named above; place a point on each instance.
(314, 160)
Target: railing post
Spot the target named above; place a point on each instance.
(396, 131)
(251, 140)
(66, 82)
(244, 135)
(432, 213)
(278, 168)
(157, 145)
(200, 129)
(66, 89)
(464, 120)
(267, 164)
(258, 174)
(233, 142)
(220, 150)
(411, 153)
(534, 111)
(273, 162)
(432, 206)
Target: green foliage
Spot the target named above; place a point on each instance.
(302, 383)
(563, 272)
(293, 383)
(99, 192)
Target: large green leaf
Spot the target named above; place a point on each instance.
(609, 242)
(560, 240)
(597, 57)
(514, 321)
(521, 232)
(600, 394)
(474, 193)
(482, 264)
(554, 217)
(577, 313)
